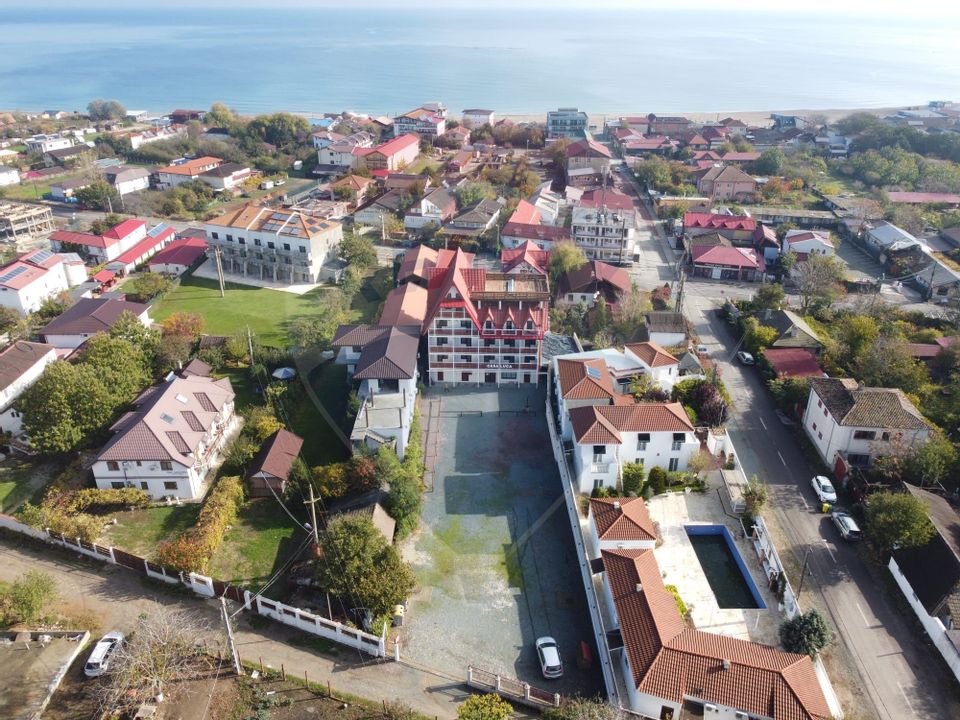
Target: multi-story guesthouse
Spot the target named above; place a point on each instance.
(279, 245)
(603, 233)
(566, 123)
(40, 274)
(428, 120)
(484, 327)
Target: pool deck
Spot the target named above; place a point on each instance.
(680, 566)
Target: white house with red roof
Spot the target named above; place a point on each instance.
(436, 207)
(171, 441)
(804, 243)
(526, 214)
(392, 155)
(732, 227)
(720, 262)
(156, 239)
(621, 523)
(40, 274)
(178, 256)
(100, 248)
(21, 363)
(428, 120)
(484, 327)
(588, 154)
(528, 258)
(173, 175)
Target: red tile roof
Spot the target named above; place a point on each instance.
(143, 247)
(793, 362)
(921, 350)
(527, 253)
(405, 305)
(584, 379)
(124, 229)
(741, 156)
(104, 276)
(728, 256)
(624, 519)
(602, 425)
(184, 251)
(924, 198)
(392, 147)
(80, 238)
(587, 148)
(190, 167)
(652, 354)
(277, 455)
(612, 199)
(526, 214)
(546, 233)
(715, 221)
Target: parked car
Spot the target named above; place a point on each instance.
(745, 358)
(549, 654)
(824, 489)
(99, 661)
(702, 349)
(849, 530)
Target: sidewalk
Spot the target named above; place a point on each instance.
(118, 596)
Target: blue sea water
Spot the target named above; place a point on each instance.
(310, 59)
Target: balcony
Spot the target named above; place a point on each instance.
(600, 468)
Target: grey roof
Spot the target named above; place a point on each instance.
(123, 173)
(857, 406)
(665, 321)
(479, 212)
(690, 363)
(163, 426)
(792, 330)
(554, 344)
(68, 152)
(91, 315)
(388, 352)
(19, 357)
(889, 235)
(225, 170)
(197, 367)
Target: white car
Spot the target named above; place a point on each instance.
(99, 660)
(745, 357)
(549, 654)
(824, 489)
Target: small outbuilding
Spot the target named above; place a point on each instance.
(270, 470)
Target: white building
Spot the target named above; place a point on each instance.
(621, 523)
(343, 151)
(603, 233)
(101, 248)
(428, 120)
(173, 175)
(40, 274)
(605, 437)
(852, 425)
(172, 439)
(87, 317)
(226, 176)
(805, 243)
(46, 143)
(566, 123)
(885, 238)
(477, 117)
(8, 176)
(127, 179)
(21, 363)
(279, 245)
(436, 207)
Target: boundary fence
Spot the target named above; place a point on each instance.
(209, 587)
(511, 689)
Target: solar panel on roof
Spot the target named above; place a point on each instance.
(593, 372)
(12, 274)
(42, 255)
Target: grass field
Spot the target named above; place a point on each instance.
(267, 312)
(257, 544)
(22, 480)
(140, 531)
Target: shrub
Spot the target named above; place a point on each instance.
(806, 633)
(78, 525)
(681, 605)
(600, 492)
(657, 480)
(484, 707)
(30, 595)
(633, 476)
(213, 356)
(106, 499)
(755, 496)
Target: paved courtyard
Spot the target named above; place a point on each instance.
(495, 558)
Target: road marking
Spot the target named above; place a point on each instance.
(805, 503)
(779, 455)
(765, 427)
(863, 615)
(909, 704)
(832, 556)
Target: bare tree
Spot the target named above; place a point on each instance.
(819, 281)
(168, 646)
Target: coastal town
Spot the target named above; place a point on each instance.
(464, 414)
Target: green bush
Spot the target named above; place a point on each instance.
(633, 477)
(484, 707)
(807, 633)
(681, 605)
(106, 499)
(600, 492)
(78, 525)
(657, 480)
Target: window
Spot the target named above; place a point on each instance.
(166, 465)
(439, 377)
(814, 426)
(271, 244)
(510, 359)
(820, 435)
(442, 358)
(489, 343)
(256, 241)
(229, 238)
(674, 464)
(465, 324)
(570, 297)
(819, 403)
(508, 376)
(441, 323)
(303, 249)
(465, 358)
(488, 326)
(170, 485)
(510, 343)
(441, 341)
(116, 485)
(597, 483)
(215, 236)
(113, 465)
(488, 358)
(286, 246)
(885, 436)
(242, 241)
(529, 343)
(143, 485)
(529, 359)
(864, 435)
(678, 439)
(599, 450)
(858, 460)
(465, 377)
(465, 341)
(825, 412)
(642, 440)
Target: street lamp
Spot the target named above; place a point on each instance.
(803, 570)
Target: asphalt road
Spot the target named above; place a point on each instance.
(882, 650)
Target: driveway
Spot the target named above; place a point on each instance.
(494, 557)
(889, 665)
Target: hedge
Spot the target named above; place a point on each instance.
(106, 499)
(191, 551)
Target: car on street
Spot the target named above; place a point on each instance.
(549, 655)
(702, 349)
(849, 530)
(823, 489)
(745, 358)
(99, 661)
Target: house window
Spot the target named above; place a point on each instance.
(465, 341)
(441, 323)
(488, 358)
(464, 358)
(242, 241)
(678, 439)
(270, 244)
(170, 485)
(819, 403)
(166, 465)
(256, 241)
(113, 465)
(439, 377)
(508, 376)
(143, 485)
(674, 464)
(229, 238)
(529, 343)
(510, 359)
(570, 297)
(597, 483)
(465, 324)
(465, 377)
(489, 343)
(814, 426)
(529, 359)
(824, 412)
(117, 485)
(441, 341)
(599, 450)
(642, 440)
(286, 246)
(303, 249)
(510, 343)
(885, 436)
(820, 435)
(864, 435)
(858, 460)
(215, 236)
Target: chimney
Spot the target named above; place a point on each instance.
(639, 587)
(726, 664)
(616, 504)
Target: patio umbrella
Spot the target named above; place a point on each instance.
(284, 373)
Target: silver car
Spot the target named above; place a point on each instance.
(549, 655)
(99, 661)
(849, 530)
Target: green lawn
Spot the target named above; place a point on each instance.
(22, 480)
(267, 312)
(259, 543)
(140, 531)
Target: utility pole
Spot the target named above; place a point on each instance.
(250, 344)
(238, 668)
(313, 515)
(219, 265)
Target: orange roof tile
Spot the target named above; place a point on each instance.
(652, 354)
(622, 519)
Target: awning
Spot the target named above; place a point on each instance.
(104, 276)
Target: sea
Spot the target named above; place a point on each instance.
(522, 61)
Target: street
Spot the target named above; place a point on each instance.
(887, 663)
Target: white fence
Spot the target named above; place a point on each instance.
(317, 625)
(773, 568)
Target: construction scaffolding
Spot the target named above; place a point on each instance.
(23, 221)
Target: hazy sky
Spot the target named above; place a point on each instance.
(852, 7)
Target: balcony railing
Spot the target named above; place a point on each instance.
(600, 467)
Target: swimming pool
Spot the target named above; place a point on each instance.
(724, 567)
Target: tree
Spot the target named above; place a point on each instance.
(757, 337)
(8, 318)
(818, 280)
(121, 365)
(601, 317)
(31, 594)
(65, 404)
(582, 709)
(806, 633)
(220, 115)
(358, 562)
(318, 330)
(167, 647)
(260, 423)
(183, 324)
(857, 333)
(148, 286)
(565, 258)
(633, 476)
(474, 192)
(280, 129)
(100, 109)
(769, 296)
(770, 162)
(657, 480)
(932, 462)
(888, 363)
(755, 496)
(99, 195)
(484, 707)
(897, 520)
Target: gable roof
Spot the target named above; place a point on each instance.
(17, 358)
(606, 197)
(170, 421)
(527, 253)
(584, 379)
(91, 315)
(854, 405)
(792, 330)
(595, 275)
(526, 213)
(602, 425)
(182, 251)
(395, 145)
(405, 305)
(587, 148)
(548, 233)
(730, 256)
(716, 221)
(277, 455)
(388, 352)
(622, 519)
(727, 173)
(793, 362)
(652, 354)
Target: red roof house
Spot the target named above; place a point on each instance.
(793, 363)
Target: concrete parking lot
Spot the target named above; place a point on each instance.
(495, 557)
